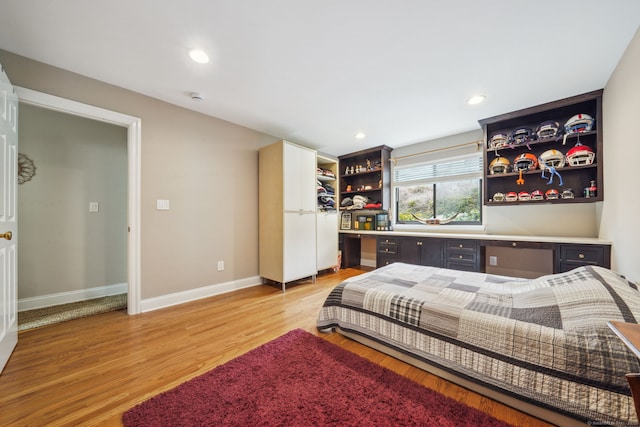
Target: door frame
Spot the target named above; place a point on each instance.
(134, 142)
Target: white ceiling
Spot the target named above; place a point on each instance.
(317, 72)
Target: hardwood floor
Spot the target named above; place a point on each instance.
(90, 371)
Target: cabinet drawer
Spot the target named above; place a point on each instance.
(462, 245)
(454, 265)
(389, 246)
(582, 254)
(462, 257)
(385, 259)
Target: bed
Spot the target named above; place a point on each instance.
(540, 345)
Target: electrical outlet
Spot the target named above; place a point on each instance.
(493, 260)
(94, 206)
(162, 205)
(220, 265)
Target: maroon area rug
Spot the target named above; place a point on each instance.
(302, 380)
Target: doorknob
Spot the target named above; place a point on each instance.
(8, 235)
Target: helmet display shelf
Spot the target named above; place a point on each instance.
(553, 146)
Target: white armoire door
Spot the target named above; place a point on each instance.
(300, 245)
(8, 219)
(299, 179)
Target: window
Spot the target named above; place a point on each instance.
(440, 190)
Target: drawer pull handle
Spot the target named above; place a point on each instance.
(514, 244)
(386, 249)
(461, 245)
(460, 256)
(581, 256)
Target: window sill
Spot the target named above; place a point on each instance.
(450, 228)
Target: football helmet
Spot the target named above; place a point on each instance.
(499, 165)
(524, 196)
(552, 194)
(511, 196)
(498, 197)
(551, 158)
(524, 162)
(521, 136)
(579, 123)
(548, 129)
(580, 155)
(499, 140)
(537, 195)
(567, 194)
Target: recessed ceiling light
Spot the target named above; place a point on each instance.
(360, 135)
(477, 99)
(199, 56)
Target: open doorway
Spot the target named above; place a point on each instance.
(72, 216)
(132, 223)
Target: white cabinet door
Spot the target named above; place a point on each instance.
(299, 178)
(327, 240)
(299, 245)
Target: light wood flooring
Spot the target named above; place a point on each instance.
(89, 371)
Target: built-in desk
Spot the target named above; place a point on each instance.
(468, 251)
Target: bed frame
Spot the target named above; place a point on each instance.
(534, 410)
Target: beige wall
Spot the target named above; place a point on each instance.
(621, 208)
(206, 167)
(62, 246)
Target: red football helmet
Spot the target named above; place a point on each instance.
(537, 195)
(552, 194)
(580, 155)
(524, 196)
(511, 196)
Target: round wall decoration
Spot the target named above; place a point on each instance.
(26, 168)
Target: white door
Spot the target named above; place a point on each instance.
(8, 219)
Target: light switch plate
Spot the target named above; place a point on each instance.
(162, 205)
(94, 206)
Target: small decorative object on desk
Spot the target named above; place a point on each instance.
(345, 223)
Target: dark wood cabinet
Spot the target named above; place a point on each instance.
(527, 136)
(410, 250)
(366, 173)
(466, 254)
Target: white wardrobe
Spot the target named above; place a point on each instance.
(287, 207)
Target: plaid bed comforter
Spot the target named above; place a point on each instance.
(544, 340)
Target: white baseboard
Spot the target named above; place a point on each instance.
(169, 300)
(368, 262)
(71, 296)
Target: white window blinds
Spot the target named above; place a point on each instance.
(451, 169)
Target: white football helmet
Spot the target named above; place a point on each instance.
(548, 129)
(499, 140)
(551, 158)
(579, 123)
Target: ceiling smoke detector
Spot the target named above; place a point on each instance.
(197, 97)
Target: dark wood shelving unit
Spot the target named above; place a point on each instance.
(576, 178)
